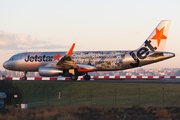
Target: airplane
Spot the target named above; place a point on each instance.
(77, 63)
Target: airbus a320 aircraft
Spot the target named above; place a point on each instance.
(74, 64)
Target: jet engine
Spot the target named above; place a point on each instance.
(49, 71)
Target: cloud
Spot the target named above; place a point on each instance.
(9, 41)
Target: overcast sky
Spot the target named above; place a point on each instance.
(54, 25)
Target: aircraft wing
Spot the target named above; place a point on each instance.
(85, 68)
(67, 63)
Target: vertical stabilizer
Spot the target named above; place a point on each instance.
(158, 37)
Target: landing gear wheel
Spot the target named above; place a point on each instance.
(87, 77)
(74, 77)
(24, 78)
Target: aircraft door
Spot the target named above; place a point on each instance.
(20, 61)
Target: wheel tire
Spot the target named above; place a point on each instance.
(74, 77)
(24, 78)
(87, 77)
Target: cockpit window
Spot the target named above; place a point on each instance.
(11, 58)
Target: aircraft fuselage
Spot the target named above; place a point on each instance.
(102, 60)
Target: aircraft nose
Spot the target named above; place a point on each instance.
(5, 65)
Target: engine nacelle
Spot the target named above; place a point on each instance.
(49, 71)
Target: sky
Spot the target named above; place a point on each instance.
(54, 25)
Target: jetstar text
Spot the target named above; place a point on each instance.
(36, 58)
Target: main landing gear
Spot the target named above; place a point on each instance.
(87, 77)
(24, 77)
(75, 77)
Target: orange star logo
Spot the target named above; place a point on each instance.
(159, 35)
(56, 57)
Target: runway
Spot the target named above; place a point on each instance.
(130, 81)
(105, 79)
(169, 81)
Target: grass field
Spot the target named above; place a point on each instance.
(41, 94)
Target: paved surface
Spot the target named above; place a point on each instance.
(134, 81)
(161, 81)
(97, 77)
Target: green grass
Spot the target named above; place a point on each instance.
(103, 94)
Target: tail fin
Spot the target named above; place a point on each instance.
(157, 40)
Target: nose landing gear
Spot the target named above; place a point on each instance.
(24, 77)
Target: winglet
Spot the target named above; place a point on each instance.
(71, 50)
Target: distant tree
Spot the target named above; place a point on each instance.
(7, 87)
(177, 73)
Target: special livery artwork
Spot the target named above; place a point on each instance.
(101, 59)
(77, 63)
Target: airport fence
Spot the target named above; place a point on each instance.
(137, 97)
